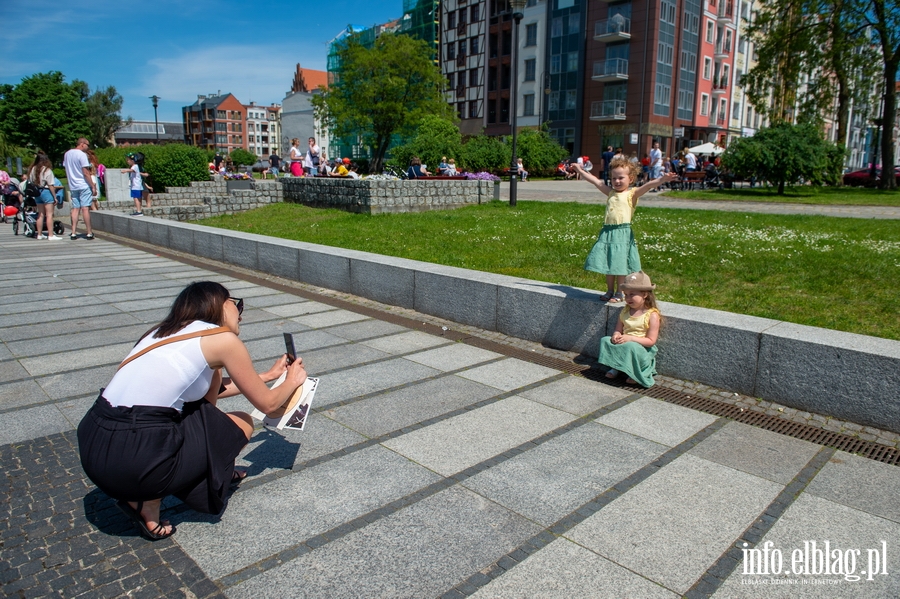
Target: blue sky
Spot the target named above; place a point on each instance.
(177, 50)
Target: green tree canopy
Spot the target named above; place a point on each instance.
(104, 115)
(382, 91)
(44, 112)
(435, 138)
(485, 153)
(242, 157)
(785, 154)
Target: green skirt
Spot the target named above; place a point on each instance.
(615, 252)
(632, 358)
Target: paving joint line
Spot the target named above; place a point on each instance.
(715, 576)
(393, 507)
(580, 514)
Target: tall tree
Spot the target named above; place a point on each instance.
(810, 45)
(382, 91)
(883, 16)
(44, 112)
(104, 113)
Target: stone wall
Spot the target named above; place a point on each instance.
(378, 196)
(204, 199)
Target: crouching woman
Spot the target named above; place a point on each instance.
(155, 429)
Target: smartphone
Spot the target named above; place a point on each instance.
(289, 348)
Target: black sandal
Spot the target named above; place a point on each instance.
(237, 476)
(135, 514)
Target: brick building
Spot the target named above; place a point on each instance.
(216, 122)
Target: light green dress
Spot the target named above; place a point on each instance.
(632, 358)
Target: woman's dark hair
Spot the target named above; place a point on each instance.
(203, 300)
(414, 161)
(40, 164)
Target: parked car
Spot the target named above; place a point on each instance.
(862, 177)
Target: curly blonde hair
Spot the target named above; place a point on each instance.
(633, 170)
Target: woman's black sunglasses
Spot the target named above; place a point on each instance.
(239, 302)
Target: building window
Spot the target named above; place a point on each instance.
(461, 110)
(451, 79)
(553, 101)
(476, 15)
(462, 16)
(736, 111)
(723, 107)
(473, 109)
(528, 105)
(572, 62)
(709, 31)
(462, 47)
(574, 19)
(570, 99)
(556, 27)
(473, 77)
(707, 67)
(473, 45)
(529, 69)
(704, 105)
(451, 20)
(531, 34)
(451, 51)
(531, 3)
(221, 114)
(554, 63)
(728, 39)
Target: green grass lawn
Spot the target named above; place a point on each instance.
(854, 196)
(837, 273)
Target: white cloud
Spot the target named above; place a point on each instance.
(261, 73)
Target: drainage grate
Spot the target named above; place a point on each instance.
(867, 449)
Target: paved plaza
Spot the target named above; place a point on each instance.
(429, 468)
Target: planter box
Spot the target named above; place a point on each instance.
(238, 184)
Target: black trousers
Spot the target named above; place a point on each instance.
(143, 453)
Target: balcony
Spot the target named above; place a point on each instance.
(612, 69)
(720, 86)
(726, 12)
(608, 110)
(615, 29)
(722, 51)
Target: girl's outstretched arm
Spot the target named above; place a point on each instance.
(593, 180)
(668, 177)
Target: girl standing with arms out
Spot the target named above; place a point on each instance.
(632, 347)
(615, 253)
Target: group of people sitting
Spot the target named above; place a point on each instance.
(567, 169)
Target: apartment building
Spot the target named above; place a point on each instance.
(216, 122)
(263, 129)
(463, 36)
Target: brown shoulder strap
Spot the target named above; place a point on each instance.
(184, 337)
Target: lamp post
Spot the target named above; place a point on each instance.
(155, 117)
(517, 7)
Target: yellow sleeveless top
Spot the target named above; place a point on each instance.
(618, 208)
(636, 326)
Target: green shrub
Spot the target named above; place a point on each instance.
(170, 165)
(484, 153)
(435, 138)
(539, 152)
(242, 157)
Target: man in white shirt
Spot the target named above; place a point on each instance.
(655, 161)
(691, 161)
(81, 185)
(312, 159)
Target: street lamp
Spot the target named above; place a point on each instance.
(517, 7)
(155, 117)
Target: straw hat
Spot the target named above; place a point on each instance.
(638, 281)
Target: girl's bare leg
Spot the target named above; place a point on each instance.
(611, 283)
(150, 514)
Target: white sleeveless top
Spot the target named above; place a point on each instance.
(165, 377)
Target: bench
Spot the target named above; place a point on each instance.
(692, 179)
(438, 178)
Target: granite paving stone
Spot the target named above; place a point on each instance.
(339, 357)
(575, 395)
(29, 423)
(20, 394)
(509, 374)
(762, 453)
(394, 410)
(299, 308)
(672, 527)
(658, 421)
(419, 551)
(405, 342)
(368, 329)
(856, 482)
(560, 475)
(95, 324)
(452, 445)
(564, 570)
(453, 357)
(371, 378)
(77, 359)
(86, 381)
(76, 340)
(814, 519)
(331, 318)
(289, 510)
(11, 370)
